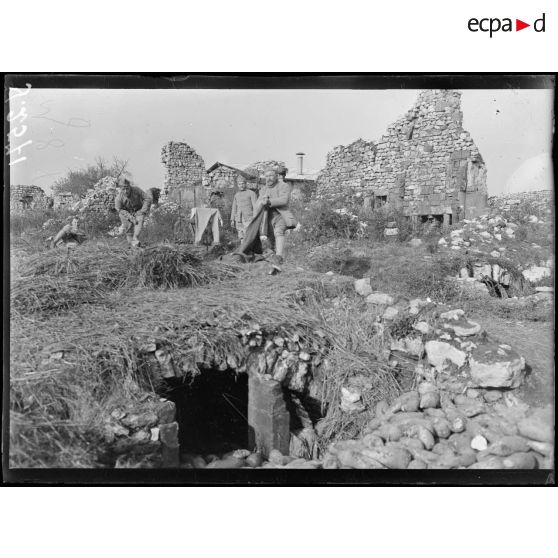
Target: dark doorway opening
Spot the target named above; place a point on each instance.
(212, 412)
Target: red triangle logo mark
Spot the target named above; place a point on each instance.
(519, 25)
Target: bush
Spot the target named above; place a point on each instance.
(376, 220)
(321, 223)
(97, 225)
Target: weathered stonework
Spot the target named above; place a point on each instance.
(27, 197)
(64, 200)
(424, 164)
(185, 171)
(258, 168)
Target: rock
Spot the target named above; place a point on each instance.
(492, 395)
(351, 400)
(380, 298)
(241, 453)
(118, 414)
(520, 460)
(141, 436)
(430, 400)
(490, 463)
(154, 434)
(362, 286)
(463, 327)
(452, 314)
(166, 411)
(479, 443)
(228, 463)
(535, 273)
(494, 367)
(422, 327)
(254, 460)
(390, 313)
(438, 352)
(168, 434)
(464, 273)
(415, 242)
(539, 425)
(148, 418)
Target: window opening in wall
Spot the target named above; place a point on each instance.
(380, 200)
(434, 219)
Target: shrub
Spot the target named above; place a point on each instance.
(321, 222)
(376, 220)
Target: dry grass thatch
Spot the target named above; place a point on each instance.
(57, 280)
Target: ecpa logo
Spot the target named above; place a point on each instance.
(492, 25)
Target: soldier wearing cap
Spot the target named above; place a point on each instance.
(132, 205)
(275, 196)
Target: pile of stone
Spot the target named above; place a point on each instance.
(437, 428)
(539, 200)
(463, 413)
(100, 198)
(144, 436)
(491, 237)
(245, 459)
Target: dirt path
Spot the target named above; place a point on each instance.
(534, 341)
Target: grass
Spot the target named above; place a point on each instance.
(57, 280)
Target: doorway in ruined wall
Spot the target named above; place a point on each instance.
(212, 411)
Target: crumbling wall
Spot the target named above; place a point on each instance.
(64, 200)
(258, 168)
(425, 163)
(27, 197)
(347, 168)
(184, 174)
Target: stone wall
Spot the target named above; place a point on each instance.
(27, 197)
(184, 173)
(64, 200)
(259, 167)
(424, 164)
(348, 168)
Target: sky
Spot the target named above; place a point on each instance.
(69, 128)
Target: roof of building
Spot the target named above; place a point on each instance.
(294, 176)
(309, 175)
(237, 168)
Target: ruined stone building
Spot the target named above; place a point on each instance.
(425, 164)
(187, 181)
(28, 197)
